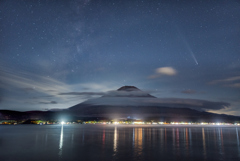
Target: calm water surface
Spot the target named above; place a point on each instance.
(118, 142)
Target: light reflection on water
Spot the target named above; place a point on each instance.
(173, 138)
(177, 140)
(103, 137)
(61, 142)
(118, 142)
(138, 138)
(190, 137)
(238, 144)
(46, 138)
(220, 141)
(161, 139)
(115, 140)
(186, 140)
(204, 144)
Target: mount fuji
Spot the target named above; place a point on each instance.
(131, 101)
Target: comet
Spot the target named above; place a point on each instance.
(192, 54)
(188, 47)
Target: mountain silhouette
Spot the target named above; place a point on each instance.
(131, 101)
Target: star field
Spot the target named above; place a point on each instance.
(178, 49)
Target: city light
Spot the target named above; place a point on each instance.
(137, 122)
(62, 122)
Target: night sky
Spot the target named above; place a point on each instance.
(55, 54)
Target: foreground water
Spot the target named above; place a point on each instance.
(118, 142)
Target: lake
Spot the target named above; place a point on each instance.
(118, 142)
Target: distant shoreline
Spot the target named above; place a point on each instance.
(129, 125)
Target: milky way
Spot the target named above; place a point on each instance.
(90, 46)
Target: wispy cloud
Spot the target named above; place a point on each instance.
(191, 103)
(127, 94)
(51, 102)
(168, 71)
(228, 82)
(29, 81)
(112, 93)
(82, 93)
(236, 85)
(196, 104)
(189, 91)
(27, 91)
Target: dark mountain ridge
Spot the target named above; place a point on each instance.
(124, 102)
(127, 101)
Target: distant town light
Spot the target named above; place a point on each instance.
(138, 122)
(62, 122)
